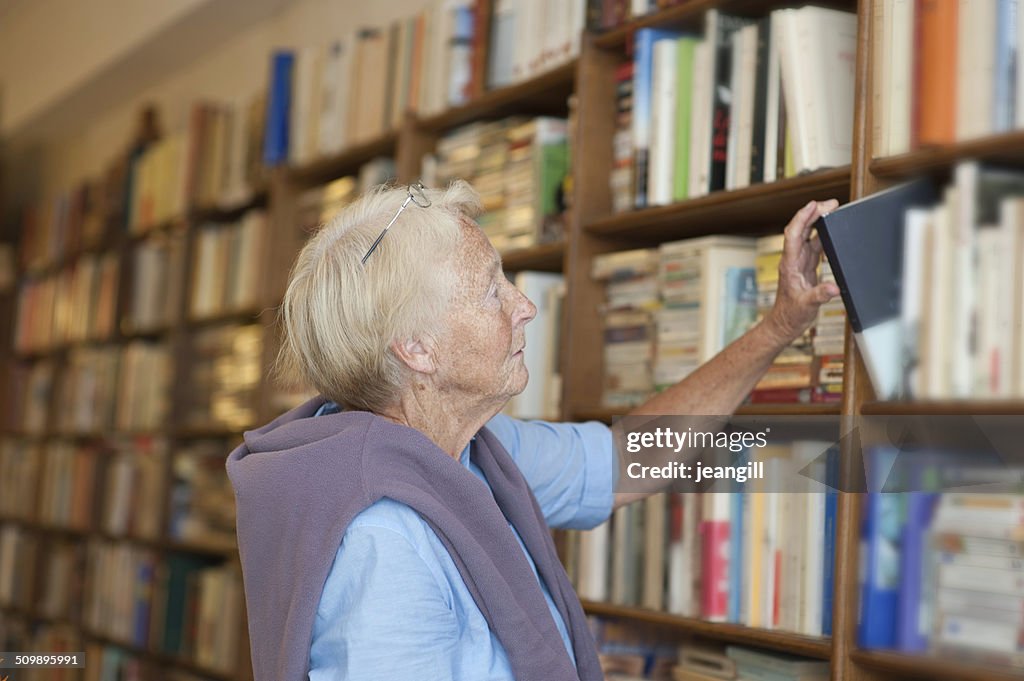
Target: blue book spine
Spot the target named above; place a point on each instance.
(643, 64)
(1006, 65)
(920, 508)
(882, 531)
(275, 138)
(829, 567)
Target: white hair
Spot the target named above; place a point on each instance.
(341, 317)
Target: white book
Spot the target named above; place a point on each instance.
(661, 162)
(1013, 213)
(935, 376)
(881, 29)
(594, 554)
(700, 121)
(744, 91)
(335, 86)
(774, 94)
(900, 75)
(818, 62)
(735, 76)
(653, 590)
(916, 227)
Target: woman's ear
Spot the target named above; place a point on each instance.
(415, 353)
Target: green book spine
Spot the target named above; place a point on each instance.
(684, 90)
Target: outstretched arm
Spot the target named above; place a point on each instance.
(720, 385)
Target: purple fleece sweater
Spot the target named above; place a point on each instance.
(299, 482)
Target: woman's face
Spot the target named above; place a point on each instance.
(481, 350)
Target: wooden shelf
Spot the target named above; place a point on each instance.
(742, 211)
(251, 316)
(545, 257)
(230, 212)
(1006, 147)
(543, 94)
(795, 644)
(345, 162)
(945, 408)
(934, 668)
(606, 415)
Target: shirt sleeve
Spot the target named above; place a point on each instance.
(569, 467)
(383, 615)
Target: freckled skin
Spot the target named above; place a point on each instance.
(466, 374)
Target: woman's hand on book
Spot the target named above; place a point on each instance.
(799, 293)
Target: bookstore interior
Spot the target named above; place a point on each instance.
(636, 161)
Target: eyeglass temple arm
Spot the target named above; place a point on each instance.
(385, 231)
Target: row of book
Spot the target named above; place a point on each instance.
(72, 221)
(942, 572)
(105, 388)
(29, 392)
(118, 664)
(323, 99)
(210, 162)
(225, 371)
(230, 266)
(518, 166)
(156, 283)
(962, 290)
(759, 559)
(79, 303)
(181, 605)
(749, 101)
(944, 71)
(669, 310)
(118, 488)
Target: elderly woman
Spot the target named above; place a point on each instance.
(406, 535)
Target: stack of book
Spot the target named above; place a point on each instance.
(67, 492)
(829, 343)
(708, 294)
(630, 302)
(606, 15)
(791, 377)
(202, 501)
(133, 474)
(529, 37)
(751, 101)
(518, 166)
(225, 376)
(755, 664)
(62, 580)
(144, 382)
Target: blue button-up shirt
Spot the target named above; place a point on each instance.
(394, 605)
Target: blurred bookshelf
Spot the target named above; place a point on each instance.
(570, 105)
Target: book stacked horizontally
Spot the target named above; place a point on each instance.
(631, 298)
(791, 376)
(708, 294)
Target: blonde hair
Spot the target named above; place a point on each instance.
(340, 317)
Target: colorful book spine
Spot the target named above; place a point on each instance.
(275, 140)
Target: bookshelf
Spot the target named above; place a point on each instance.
(593, 229)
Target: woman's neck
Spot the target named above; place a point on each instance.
(450, 421)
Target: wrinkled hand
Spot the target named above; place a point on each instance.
(799, 294)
